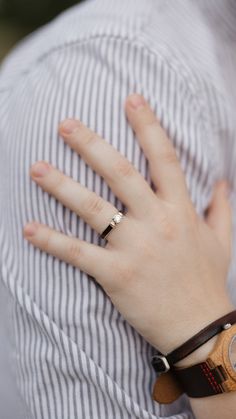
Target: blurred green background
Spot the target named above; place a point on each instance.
(20, 17)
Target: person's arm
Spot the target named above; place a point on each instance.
(89, 80)
(162, 254)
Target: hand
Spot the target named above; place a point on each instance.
(163, 267)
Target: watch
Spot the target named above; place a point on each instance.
(215, 375)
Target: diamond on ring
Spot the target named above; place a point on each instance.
(116, 219)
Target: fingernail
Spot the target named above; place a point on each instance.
(40, 169)
(136, 101)
(69, 126)
(30, 229)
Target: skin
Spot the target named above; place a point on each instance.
(163, 267)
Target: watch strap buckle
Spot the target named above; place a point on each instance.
(160, 363)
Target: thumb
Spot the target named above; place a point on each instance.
(219, 215)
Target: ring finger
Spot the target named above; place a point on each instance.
(92, 208)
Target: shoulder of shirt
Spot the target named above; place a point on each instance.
(80, 24)
(147, 25)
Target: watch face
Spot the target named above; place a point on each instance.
(232, 352)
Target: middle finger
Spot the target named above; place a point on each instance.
(123, 178)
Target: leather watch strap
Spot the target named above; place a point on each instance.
(193, 343)
(216, 374)
(204, 380)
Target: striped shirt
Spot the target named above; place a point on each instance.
(73, 353)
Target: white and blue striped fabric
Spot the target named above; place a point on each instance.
(74, 355)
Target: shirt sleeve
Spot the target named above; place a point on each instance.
(75, 354)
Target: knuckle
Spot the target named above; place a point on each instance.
(89, 137)
(147, 124)
(94, 205)
(169, 228)
(122, 277)
(152, 123)
(126, 274)
(59, 182)
(73, 253)
(169, 156)
(47, 240)
(124, 168)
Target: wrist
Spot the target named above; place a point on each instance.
(192, 324)
(199, 355)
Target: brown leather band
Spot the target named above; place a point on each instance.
(200, 338)
(201, 381)
(161, 363)
(214, 375)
